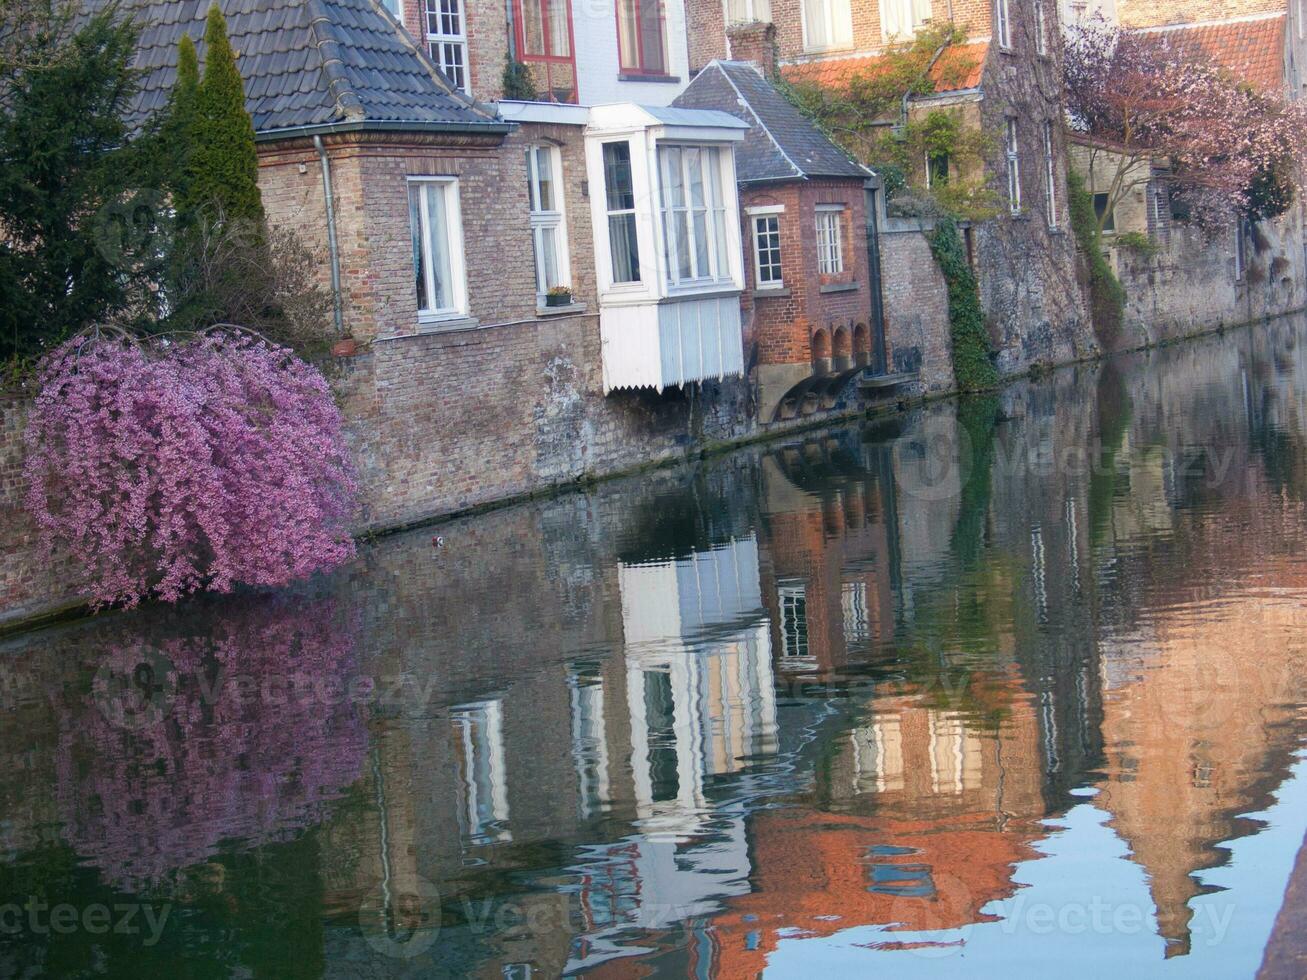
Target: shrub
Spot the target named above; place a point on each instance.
(167, 466)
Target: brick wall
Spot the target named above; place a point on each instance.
(1155, 13)
(916, 304)
(784, 324)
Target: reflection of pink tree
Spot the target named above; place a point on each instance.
(256, 734)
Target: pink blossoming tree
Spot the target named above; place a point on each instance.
(166, 466)
(1148, 103)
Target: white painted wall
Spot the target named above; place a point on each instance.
(594, 25)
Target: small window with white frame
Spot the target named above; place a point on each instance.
(1003, 23)
(1241, 230)
(446, 36)
(766, 225)
(1013, 165)
(1050, 176)
(548, 230)
(747, 11)
(619, 198)
(437, 230)
(827, 25)
(1041, 29)
(694, 214)
(830, 239)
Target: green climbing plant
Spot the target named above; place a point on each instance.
(973, 364)
(1106, 295)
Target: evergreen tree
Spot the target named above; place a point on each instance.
(179, 127)
(222, 175)
(67, 165)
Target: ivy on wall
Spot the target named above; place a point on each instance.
(1106, 295)
(973, 365)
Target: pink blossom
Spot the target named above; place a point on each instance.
(167, 467)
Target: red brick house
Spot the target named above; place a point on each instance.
(811, 303)
(1004, 79)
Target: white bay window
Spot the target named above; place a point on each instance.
(548, 232)
(694, 214)
(437, 231)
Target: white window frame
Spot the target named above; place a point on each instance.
(901, 19)
(1041, 24)
(766, 213)
(754, 10)
(1240, 253)
(440, 44)
(837, 25)
(483, 778)
(1050, 176)
(545, 221)
(830, 239)
(796, 650)
(633, 212)
(1012, 151)
(716, 210)
(1003, 24)
(448, 186)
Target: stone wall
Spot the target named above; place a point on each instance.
(916, 304)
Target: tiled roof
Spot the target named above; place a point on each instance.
(1251, 50)
(305, 63)
(781, 144)
(959, 68)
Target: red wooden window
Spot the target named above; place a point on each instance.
(544, 41)
(640, 37)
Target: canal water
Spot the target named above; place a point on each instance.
(1009, 687)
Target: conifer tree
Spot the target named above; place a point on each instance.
(179, 127)
(222, 175)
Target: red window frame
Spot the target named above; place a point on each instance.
(623, 63)
(549, 58)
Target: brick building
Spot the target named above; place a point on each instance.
(812, 298)
(1005, 79)
(1192, 281)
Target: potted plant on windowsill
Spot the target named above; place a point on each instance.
(559, 296)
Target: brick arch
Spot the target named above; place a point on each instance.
(861, 339)
(843, 343)
(820, 344)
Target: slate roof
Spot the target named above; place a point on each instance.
(781, 144)
(1251, 50)
(306, 63)
(960, 67)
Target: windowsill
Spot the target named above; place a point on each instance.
(1007, 50)
(838, 287)
(773, 292)
(447, 324)
(830, 50)
(560, 310)
(626, 76)
(713, 291)
(1019, 215)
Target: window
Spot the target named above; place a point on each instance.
(544, 38)
(1160, 214)
(747, 11)
(936, 170)
(548, 235)
(482, 779)
(794, 629)
(827, 24)
(619, 195)
(853, 604)
(830, 247)
(1041, 39)
(1100, 209)
(1002, 23)
(446, 39)
(901, 19)
(437, 247)
(1050, 177)
(640, 37)
(767, 251)
(694, 213)
(1013, 166)
(1240, 248)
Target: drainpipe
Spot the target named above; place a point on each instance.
(903, 108)
(333, 248)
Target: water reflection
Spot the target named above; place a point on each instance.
(1019, 679)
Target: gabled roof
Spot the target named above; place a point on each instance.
(958, 69)
(306, 63)
(781, 144)
(1251, 49)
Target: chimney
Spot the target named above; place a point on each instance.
(754, 42)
